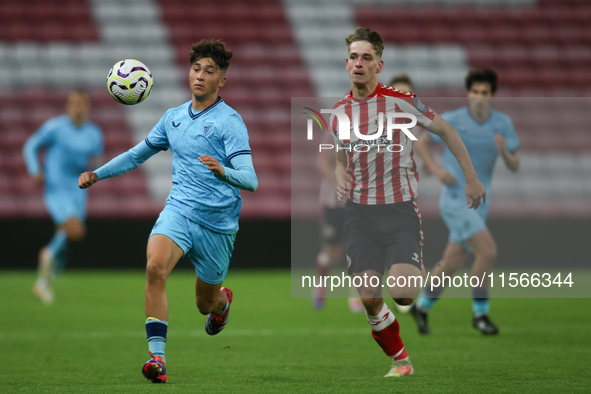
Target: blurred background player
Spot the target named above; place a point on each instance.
(486, 134)
(382, 221)
(73, 144)
(404, 84)
(211, 162)
(331, 228)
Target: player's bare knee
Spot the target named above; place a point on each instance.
(405, 293)
(155, 270)
(76, 233)
(403, 301)
(452, 262)
(75, 230)
(488, 253)
(372, 305)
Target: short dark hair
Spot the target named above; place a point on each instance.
(215, 49)
(482, 75)
(365, 34)
(402, 78)
(79, 92)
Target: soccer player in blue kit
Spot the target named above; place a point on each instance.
(73, 145)
(211, 162)
(486, 134)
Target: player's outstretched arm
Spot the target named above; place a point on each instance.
(121, 164)
(423, 148)
(41, 138)
(475, 190)
(342, 176)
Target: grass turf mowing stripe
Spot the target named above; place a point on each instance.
(91, 340)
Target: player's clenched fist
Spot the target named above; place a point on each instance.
(87, 179)
(212, 164)
(343, 190)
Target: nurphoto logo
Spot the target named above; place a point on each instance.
(364, 142)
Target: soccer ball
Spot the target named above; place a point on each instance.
(129, 82)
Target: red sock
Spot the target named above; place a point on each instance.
(386, 332)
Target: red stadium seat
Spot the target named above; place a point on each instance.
(551, 38)
(470, 35)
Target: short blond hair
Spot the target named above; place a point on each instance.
(365, 34)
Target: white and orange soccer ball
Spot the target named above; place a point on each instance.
(129, 81)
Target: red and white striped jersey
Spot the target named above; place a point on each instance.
(379, 173)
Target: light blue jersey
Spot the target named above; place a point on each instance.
(479, 141)
(197, 193)
(69, 150)
(201, 212)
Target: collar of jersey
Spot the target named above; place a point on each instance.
(360, 100)
(195, 116)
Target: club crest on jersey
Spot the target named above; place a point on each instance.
(207, 128)
(420, 106)
(376, 124)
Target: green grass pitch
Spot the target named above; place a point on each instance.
(92, 340)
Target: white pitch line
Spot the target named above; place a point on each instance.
(187, 334)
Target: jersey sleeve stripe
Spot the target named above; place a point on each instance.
(151, 145)
(380, 157)
(396, 173)
(238, 153)
(364, 157)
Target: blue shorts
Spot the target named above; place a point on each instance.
(210, 252)
(65, 204)
(463, 222)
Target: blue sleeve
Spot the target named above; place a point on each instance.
(242, 174)
(127, 161)
(157, 139)
(511, 139)
(42, 137)
(235, 137)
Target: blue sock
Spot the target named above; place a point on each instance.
(428, 297)
(480, 304)
(156, 333)
(61, 260)
(425, 302)
(58, 242)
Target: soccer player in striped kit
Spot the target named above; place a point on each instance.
(211, 161)
(382, 221)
